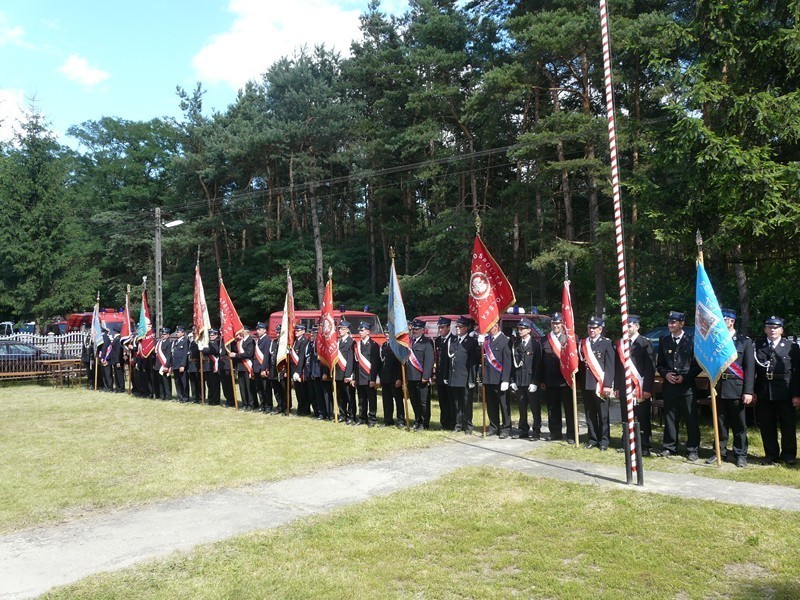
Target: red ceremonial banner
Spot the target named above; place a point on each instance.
(490, 292)
(569, 351)
(231, 325)
(327, 339)
(145, 334)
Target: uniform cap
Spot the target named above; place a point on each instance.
(525, 323)
(344, 323)
(300, 326)
(675, 316)
(179, 329)
(365, 325)
(261, 325)
(729, 313)
(443, 322)
(165, 331)
(633, 319)
(464, 321)
(557, 317)
(773, 320)
(596, 322)
(213, 332)
(417, 324)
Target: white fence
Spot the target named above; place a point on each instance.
(65, 345)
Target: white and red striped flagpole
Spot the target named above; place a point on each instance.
(620, 240)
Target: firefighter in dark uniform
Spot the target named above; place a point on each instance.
(391, 386)
(161, 366)
(227, 376)
(195, 391)
(104, 357)
(526, 362)
(447, 408)
(365, 373)
(261, 368)
(180, 364)
(597, 354)
(557, 392)
(243, 355)
(344, 375)
(211, 368)
(297, 359)
(777, 394)
(496, 379)
(463, 358)
(678, 368)
(734, 393)
(419, 370)
(117, 361)
(277, 374)
(643, 360)
(317, 389)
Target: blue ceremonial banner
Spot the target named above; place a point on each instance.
(97, 330)
(713, 346)
(397, 324)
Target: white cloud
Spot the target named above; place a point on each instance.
(11, 112)
(263, 32)
(10, 35)
(77, 68)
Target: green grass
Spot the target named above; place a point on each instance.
(489, 533)
(69, 452)
(754, 473)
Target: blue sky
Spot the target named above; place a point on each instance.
(81, 60)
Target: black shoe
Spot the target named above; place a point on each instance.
(603, 448)
(503, 436)
(791, 462)
(768, 461)
(741, 461)
(692, 457)
(645, 451)
(665, 453)
(589, 445)
(535, 437)
(524, 435)
(712, 460)
(570, 441)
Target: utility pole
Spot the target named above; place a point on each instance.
(159, 307)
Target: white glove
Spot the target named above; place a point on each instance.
(504, 386)
(471, 385)
(481, 337)
(446, 382)
(532, 388)
(296, 377)
(514, 387)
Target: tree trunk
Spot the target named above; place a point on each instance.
(741, 286)
(320, 267)
(373, 261)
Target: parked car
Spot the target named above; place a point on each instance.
(20, 357)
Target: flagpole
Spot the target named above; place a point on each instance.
(130, 353)
(405, 397)
(633, 447)
(332, 366)
(200, 354)
(699, 242)
(227, 348)
(96, 355)
(574, 382)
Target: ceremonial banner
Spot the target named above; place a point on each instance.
(230, 324)
(490, 292)
(202, 323)
(97, 330)
(397, 325)
(327, 341)
(713, 346)
(286, 339)
(569, 351)
(125, 333)
(144, 331)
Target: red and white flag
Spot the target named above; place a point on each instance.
(230, 324)
(144, 333)
(327, 341)
(202, 323)
(490, 292)
(569, 351)
(286, 338)
(125, 333)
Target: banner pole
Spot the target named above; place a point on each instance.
(202, 380)
(716, 422)
(483, 393)
(575, 412)
(233, 383)
(405, 398)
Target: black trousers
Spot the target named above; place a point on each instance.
(227, 382)
(597, 418)
(447, 408)
(418, 393)
(195, 394)
(463, 403)
(263, 392)
(392, 398)
(107, 379)
(368, 404)
(771, 415)
(345, 400)
(211, 381)
(679, 402)
(303, 398)
(181, 385)
(163, 384)
(643, 413)
(557, 398)
(279, 392)
(530, 401)
(119, 377)
(497, 409)
(246, 389)
(316, 393)
(731, 419)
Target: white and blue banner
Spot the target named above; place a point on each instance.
(713, 346)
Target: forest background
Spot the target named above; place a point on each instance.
(452, 110)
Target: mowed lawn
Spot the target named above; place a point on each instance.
(68, 452)
(489, 533)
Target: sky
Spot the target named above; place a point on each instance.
(81, 60)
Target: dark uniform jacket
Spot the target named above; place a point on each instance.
(526, 364)
(463, 360)
(551, 364)
(299, 347)
(248, 345)
(731, 386)
(603, 350)
(180, 353)
(261, 348)
(163, 352)
(677, 359)
(370, 351)
(212, 352)
(194, 357)
(422, 347)
(776, 370)
(643, 358)
(501, 350)
(390, 370)
(346, 350)
(441, 367)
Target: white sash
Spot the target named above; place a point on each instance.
(594, 365)
(366, 365)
